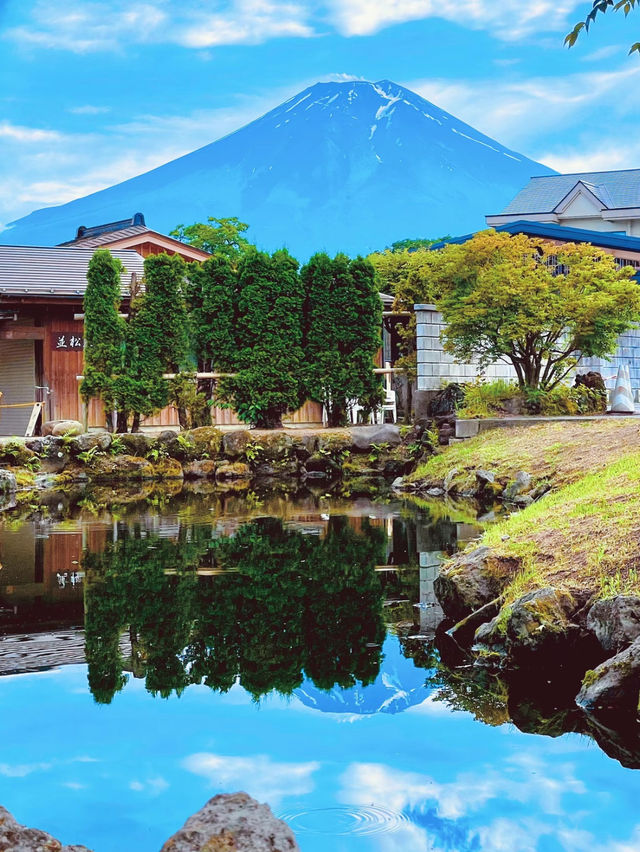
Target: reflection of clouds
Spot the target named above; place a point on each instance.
(261, 777)
(21, 770)
(526, 787)
(152, 786)
(524, 779)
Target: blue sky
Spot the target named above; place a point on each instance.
(92, 93)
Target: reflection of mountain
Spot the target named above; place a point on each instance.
(399, 685)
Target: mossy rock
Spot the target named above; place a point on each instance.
(234, 444)
(120, 467)
(201, 469)
(15, 454)
(335, 444)
(233, 470)
(135, 443)
(167, 468)
(206, 443)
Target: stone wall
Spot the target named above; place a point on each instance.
(436, 367)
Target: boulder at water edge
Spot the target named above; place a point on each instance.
(233, 823)
(18, 838)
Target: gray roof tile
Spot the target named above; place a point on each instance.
(54, 272)
(542, 194)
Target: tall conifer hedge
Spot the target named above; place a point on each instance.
(103, 330)
(343, 317)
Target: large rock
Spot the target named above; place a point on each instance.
(120, 467)
(520, 485)
(540, 621)
(614, 686)
(364, 437)
(167, 468)
(234, 470)
(469, 581)
(615, 622)
(89, 440)
(18, 838)
(58, 428)
(203, 469)
(233, 823)
(134, 443)
(8, 482)
(235, 443)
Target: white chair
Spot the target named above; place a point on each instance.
(389, 403)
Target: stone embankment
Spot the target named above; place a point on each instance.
(363, 457)
(227, 823)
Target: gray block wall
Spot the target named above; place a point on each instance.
(627, 354)
(436, 367)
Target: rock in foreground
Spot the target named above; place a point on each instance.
(233, 823)
(18, 838)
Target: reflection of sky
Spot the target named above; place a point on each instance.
(128, 775)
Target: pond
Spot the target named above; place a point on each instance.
(164, 651)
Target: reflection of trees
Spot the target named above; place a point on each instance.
(286, 605)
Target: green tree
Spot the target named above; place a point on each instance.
(160, 332)
(413, 244)
(103, 329)
(217, 236)
(600, 7)
(268, 355)
(343, 319)
(211, 290)
(537, 306)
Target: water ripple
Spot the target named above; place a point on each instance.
(350, 819)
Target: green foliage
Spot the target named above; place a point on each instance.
(117, 447)
(287, 606)
(103, 329)
(268, 357)
(343, 318)
(210, 296)
(217, 236)
(602, 6)
(157, 337)
(484, 399)
(413, 244)
(87, 456)
(490, 399)
(537, 306)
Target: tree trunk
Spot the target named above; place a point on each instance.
(135, 425)
(122, 424)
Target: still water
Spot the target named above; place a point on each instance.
(161, 652)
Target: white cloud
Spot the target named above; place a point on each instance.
(261, 777)
(508, 19)
(21, 770)
(18, 133)
(99, 26)
(83, 27)
(89, 109)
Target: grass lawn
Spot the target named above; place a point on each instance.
(585, 533)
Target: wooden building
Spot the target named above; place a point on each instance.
(41, 340)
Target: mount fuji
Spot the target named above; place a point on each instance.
(338, 167)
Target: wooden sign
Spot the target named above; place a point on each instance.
(67, 341)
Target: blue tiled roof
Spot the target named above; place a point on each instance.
(605, 239)
(543, 194)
